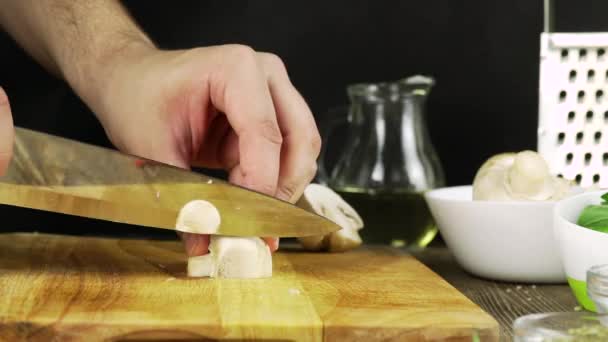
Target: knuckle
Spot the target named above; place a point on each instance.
(240, 53)
(270, 131)
(273, 62)
(267, 189)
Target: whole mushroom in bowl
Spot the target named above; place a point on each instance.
(523, 176)
(500, 227)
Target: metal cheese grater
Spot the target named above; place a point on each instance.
(573, 103)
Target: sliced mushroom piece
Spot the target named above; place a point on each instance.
(229, 256)
(325, 202)
(233, 257)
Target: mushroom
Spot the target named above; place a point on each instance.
(325, 202)
(229, 256)
(518, 176)
(233, 257)
(198, 217)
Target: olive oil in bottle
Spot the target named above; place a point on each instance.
(398, 218)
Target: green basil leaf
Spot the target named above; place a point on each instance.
(605, 198)
(595, 217)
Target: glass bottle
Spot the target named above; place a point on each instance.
(560, 326)
(387, 160)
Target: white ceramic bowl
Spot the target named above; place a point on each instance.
(508, 241)
(580, 248)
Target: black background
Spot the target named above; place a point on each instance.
(482, 53)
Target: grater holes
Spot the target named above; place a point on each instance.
(600, 53)
(597, 137)
(578, 178)
(564, 54)
(579, 137)
(596, 178)
(582, 54)
(580, 96)
(572, 75)
(587, 158)
(571, 116)
(606, 116)
(569, 158)
(562, 96)
(605, 159)
(590, 75)
(561, 137)
(599, 95)
(589, 116)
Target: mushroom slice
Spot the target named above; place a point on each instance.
(229, 256)
(325, 202)
(233, 257)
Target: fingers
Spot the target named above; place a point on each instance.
(195, 244)
(7, 132)
(273, 243)
(302, 143)
(198, 244)
(275, 142)
(240, 90)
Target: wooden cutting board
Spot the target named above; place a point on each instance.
(72, 288)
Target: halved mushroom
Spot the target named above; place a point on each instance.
(518, 176)
(325, 202)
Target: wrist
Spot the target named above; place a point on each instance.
(94, 76)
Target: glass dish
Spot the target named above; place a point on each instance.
(561, 326)
(597, 287)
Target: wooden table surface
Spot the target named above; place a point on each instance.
(504, 301)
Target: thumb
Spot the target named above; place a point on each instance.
(7, 132)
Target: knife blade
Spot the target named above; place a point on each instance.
(60, 175)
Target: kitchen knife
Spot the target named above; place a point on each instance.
(60, 175)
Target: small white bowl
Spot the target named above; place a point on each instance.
(580, 247)
(508, 241)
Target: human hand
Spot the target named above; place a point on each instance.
(217, 107)
(7, 132)
(223, 107)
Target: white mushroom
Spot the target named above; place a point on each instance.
(518, 176)
(233, 257)
(198, 217)
(325, 202)
(228, 257)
